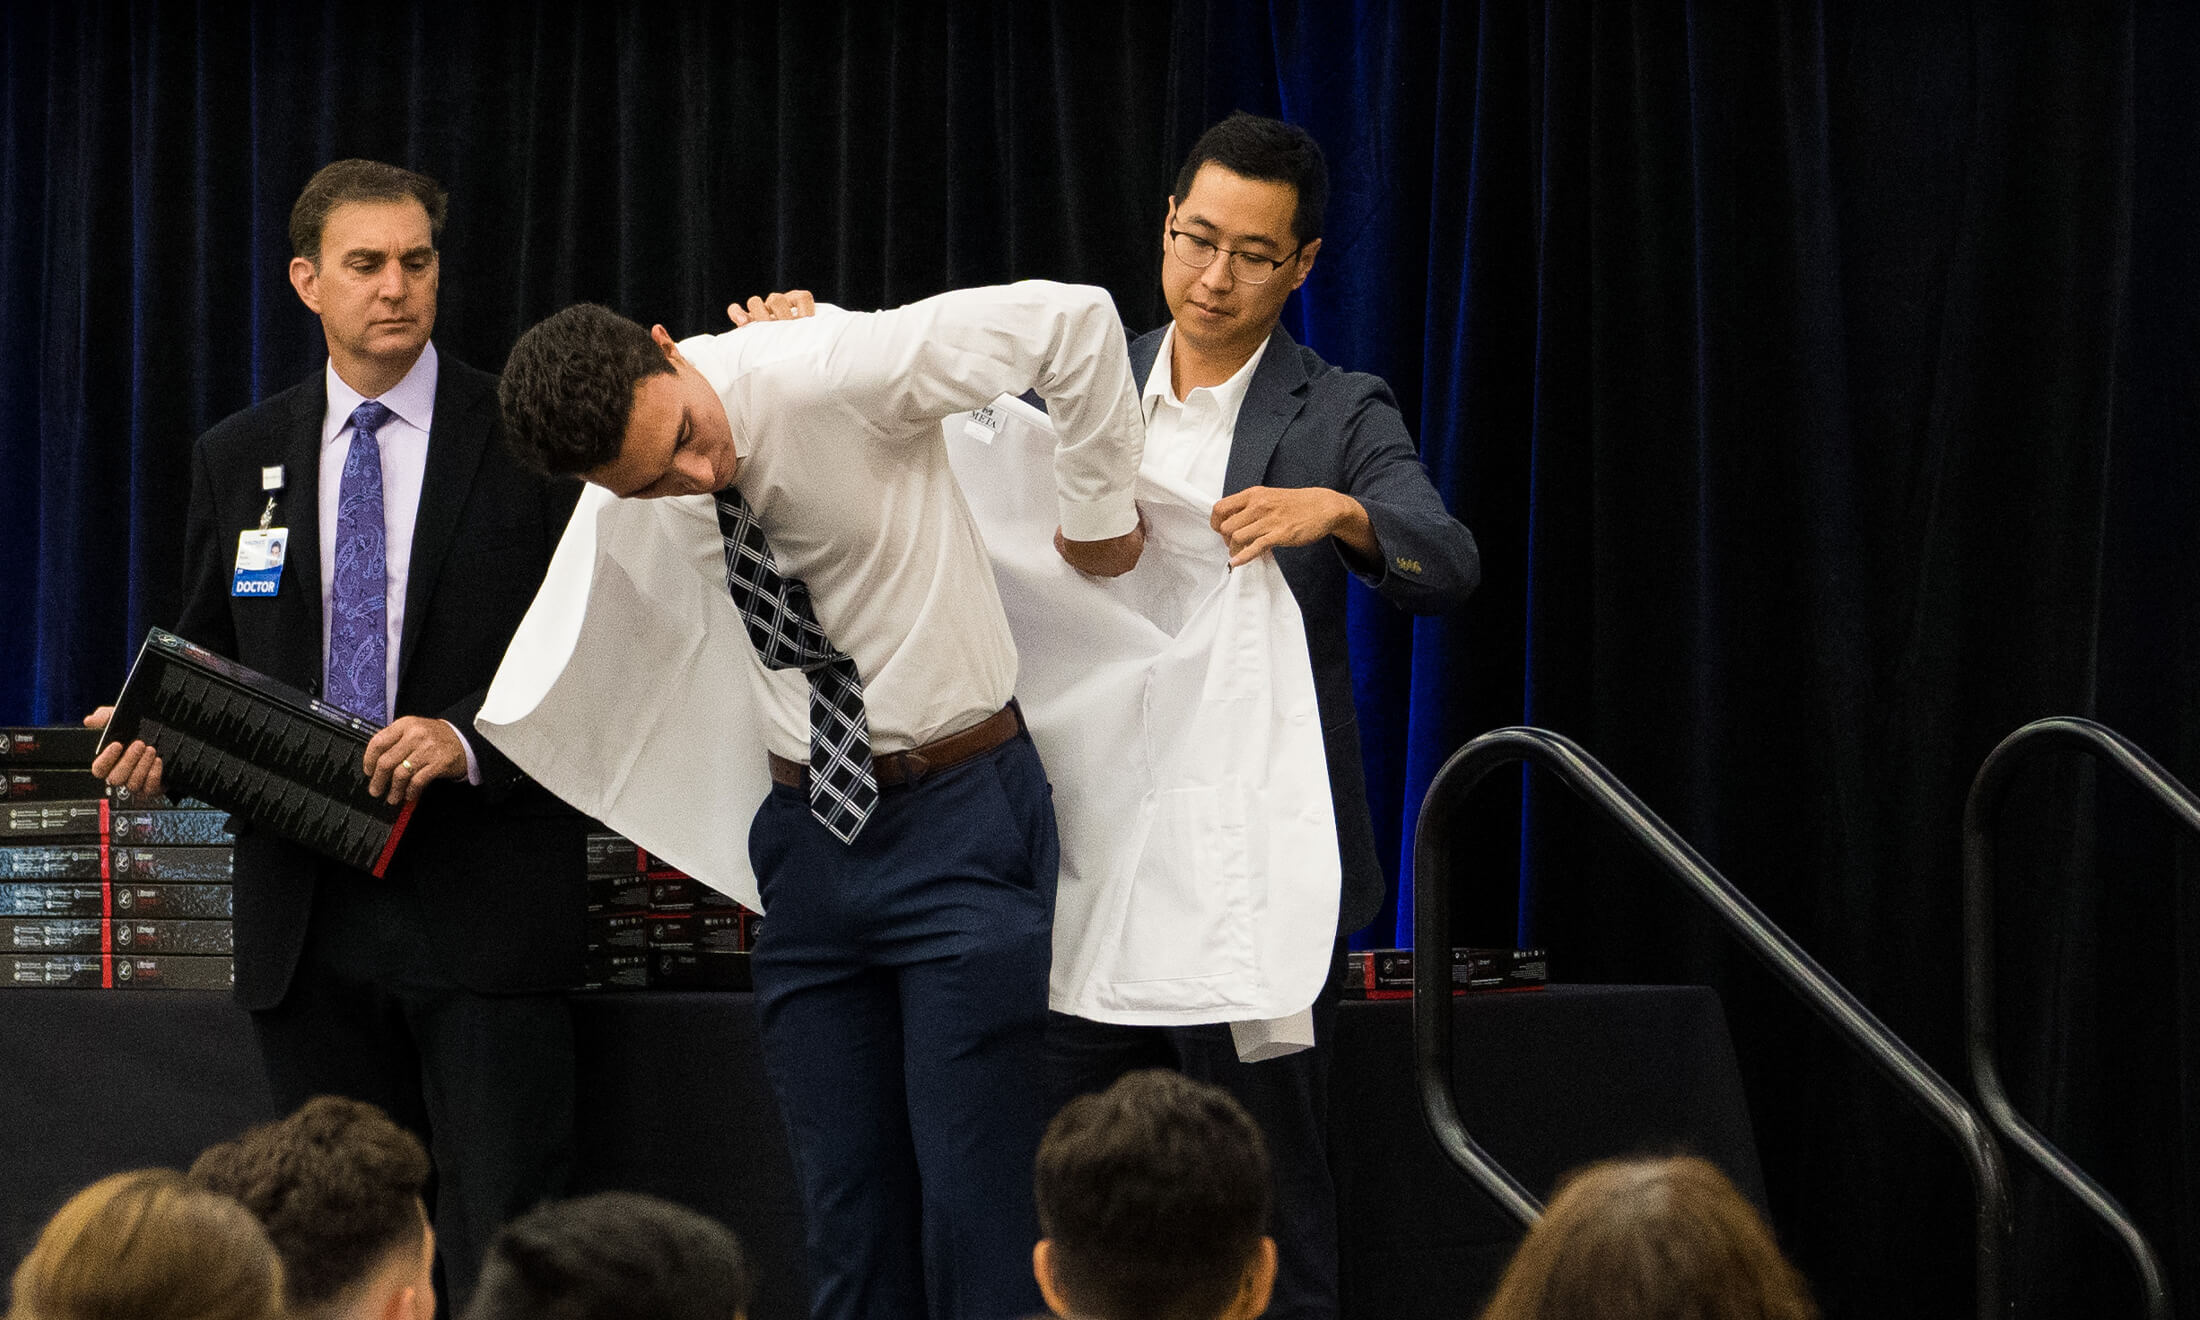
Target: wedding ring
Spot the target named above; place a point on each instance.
(406, 763)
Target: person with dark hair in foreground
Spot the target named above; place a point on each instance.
(338, 1187)
(613, 1256)
(1154, 1200)
(907, 850)
(414, 546)
(149, 1246)
(1650, 1240)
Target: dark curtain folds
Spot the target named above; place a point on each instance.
(1818, 378)
(660, 159)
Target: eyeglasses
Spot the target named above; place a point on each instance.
(1245, 267)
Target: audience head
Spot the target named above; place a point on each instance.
(612, 1256)
(338, 1187)
(1153, 1201)
(149, 1246)
(1663, 1239)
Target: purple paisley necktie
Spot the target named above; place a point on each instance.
(358, 600)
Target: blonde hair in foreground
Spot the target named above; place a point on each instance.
(148, 1245)
(1666, 1239)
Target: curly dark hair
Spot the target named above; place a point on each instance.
(336, 1184)
(1155, 1194)
(609, 1256)
(344, 181)
(1270, 150)
(568, 388)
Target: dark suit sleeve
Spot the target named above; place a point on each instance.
(498, 775)
(207, 561)
(1429, 560)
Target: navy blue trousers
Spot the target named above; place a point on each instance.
(901, 986)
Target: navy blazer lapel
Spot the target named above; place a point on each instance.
(300, 511)
(1273, 399)
(456, 438)
(1143, 350)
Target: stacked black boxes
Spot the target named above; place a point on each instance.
(102, 893)
(1388, 973)
(652, 926)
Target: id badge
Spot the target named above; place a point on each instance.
(259, 561)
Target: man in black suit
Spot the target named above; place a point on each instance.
(1314, 465)
(413, 545)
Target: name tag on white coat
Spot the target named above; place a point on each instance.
(982, 425)
(259, 561)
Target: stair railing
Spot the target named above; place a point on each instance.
(1988, 788)
(1432, 1006)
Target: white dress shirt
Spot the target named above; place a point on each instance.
(1188, 440)
(838, 420)
(631, 689)
(403, 441)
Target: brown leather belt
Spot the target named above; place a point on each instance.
(908, 767)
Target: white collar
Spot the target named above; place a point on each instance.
(1161, 387)
(412, 399)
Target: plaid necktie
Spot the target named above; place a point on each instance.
(359, 589)
(786, 635)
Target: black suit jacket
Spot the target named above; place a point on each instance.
(1305, 423)
(498, 866)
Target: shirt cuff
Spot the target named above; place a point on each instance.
(473, 766)
(1112, 515)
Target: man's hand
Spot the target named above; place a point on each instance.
(1260, 518)
(792, 305)
(415, 749)
(135, 768)
(1110, 558)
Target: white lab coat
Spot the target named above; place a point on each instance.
(1173, 707)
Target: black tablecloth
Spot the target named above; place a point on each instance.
(1546, 1081)
(671, 1102)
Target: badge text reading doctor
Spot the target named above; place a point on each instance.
(260, 549)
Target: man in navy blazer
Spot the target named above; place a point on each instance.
(437, 993)
(1315, 466)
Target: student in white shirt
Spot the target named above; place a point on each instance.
(902, 971)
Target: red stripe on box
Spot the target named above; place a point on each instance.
(397, 831)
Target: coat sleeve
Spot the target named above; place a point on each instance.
(1429, 559)
(901, 371)
(499, 776)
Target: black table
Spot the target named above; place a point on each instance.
(671, 1102)
(1546, 1081)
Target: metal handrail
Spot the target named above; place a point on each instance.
(1432, 1006)
(1987, 790)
